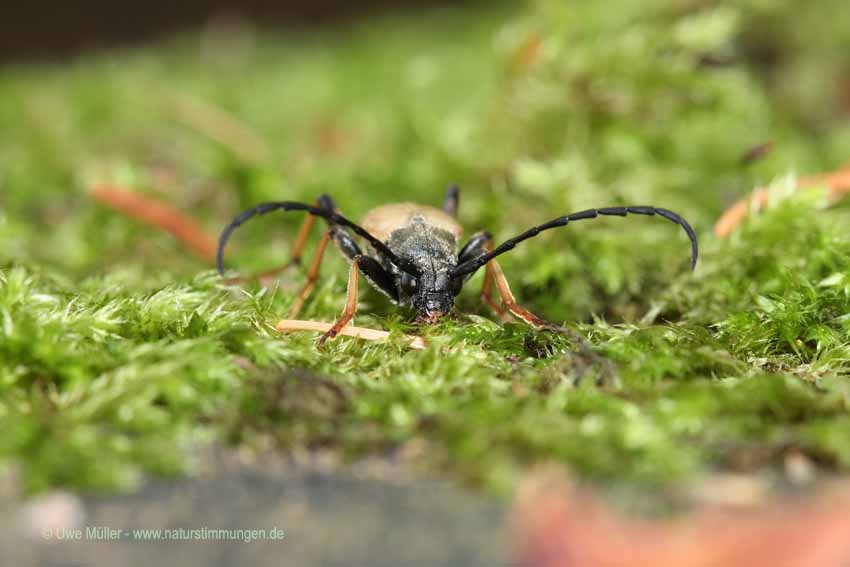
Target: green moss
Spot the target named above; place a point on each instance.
(119, 352)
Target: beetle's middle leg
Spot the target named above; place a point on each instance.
(346, 245)
(312, 275)
(265, 278)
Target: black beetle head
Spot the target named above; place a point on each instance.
(433, 291)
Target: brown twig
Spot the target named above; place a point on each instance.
(161, 215)
(295, 325)
(838, 183)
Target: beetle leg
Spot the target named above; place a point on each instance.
(312, 275)
(350, 304)
(371, 268)
(378, 277)
(267, 277)
(494, 271)
(301, 240)
(374, 272)
(479, 243)
(346, 245)
(475, 246)
(494, 274)
(487, 294)
(452, 197)
(483, 242)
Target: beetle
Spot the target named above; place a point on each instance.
(413, 255)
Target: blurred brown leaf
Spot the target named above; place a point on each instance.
(561, 526)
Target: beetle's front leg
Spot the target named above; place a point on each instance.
(376, 275)
(482, 242)
(476, 246)
(344, 242)
(350, 304)
(495, 275)
(479, 243)
(486, 295)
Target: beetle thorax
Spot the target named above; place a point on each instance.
(432, 251)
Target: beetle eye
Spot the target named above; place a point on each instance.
(408, 284)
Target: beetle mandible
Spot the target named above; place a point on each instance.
(413, 257)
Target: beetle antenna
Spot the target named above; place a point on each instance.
(472, 265)
(331, 217)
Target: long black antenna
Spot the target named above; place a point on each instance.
(330, 216)
(472, 265)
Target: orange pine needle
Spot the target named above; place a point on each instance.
(158, 214)
(838, 183)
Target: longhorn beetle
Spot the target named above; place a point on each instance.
(412, 256)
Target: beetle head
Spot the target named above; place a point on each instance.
(433, 291)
